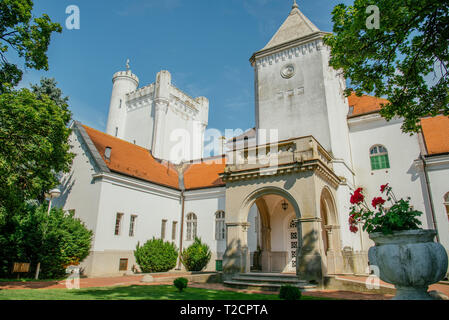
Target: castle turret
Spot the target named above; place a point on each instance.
(124, 82)
(161, 102)
(204, 119)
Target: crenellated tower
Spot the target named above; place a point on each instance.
(158, 117)
(124, 82)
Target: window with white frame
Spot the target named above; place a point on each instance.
(118, 223)
(191, 226)
(220, 227)
(379, 158)
(132, 225)
(173, 230)
(163, 227)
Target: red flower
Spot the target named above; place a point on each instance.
(351, 220)
(357, 197)
(377, 201)
(353, 229)
(383, 187)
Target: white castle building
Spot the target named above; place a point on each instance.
(140, 179)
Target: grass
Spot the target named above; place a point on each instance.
(134, 292)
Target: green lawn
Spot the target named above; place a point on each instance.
(133, 293)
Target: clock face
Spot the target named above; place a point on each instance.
(288, 71)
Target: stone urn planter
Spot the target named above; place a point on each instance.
(410, 260)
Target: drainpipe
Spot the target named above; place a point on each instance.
(429, 194)
(181, 233)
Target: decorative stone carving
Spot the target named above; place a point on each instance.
(288, 71)
(410, 260)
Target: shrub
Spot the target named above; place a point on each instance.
(289, 292)
(156, 256)
(197, 256)
(56, 241)
(180, 283)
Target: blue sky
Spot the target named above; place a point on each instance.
(205, 44)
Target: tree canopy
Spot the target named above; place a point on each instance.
(405, 59)
(29, 38)
(34, 144)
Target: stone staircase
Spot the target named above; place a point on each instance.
(267, 281)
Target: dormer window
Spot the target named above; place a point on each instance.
(107, 153)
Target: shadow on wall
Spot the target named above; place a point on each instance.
(66, 187)
(413, 172)
(234, 258)
(311, 265)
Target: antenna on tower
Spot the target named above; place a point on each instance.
(127, 64)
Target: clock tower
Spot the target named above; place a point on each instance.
(296, 91)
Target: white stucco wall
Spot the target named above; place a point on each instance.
(139, 126)
(150, 203)
(204, 203)
(403, 149)
(438, 172)
(77, 190)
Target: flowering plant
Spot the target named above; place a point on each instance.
(400, 216)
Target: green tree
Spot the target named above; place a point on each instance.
(405, 59)
(196, 256)
(34, 144)
(156, 255)
(29, 38)
(56, 240)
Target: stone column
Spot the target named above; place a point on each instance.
(309, 260)
(330, 238)
(266, 249)
(236, 258)
(331, 253)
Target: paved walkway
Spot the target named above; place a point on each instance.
(159, 278)
(442, 287)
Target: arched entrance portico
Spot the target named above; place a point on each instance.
(301, 170)
(272, 234)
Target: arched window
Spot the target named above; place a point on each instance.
(191, 226)
(379, 158)
(220, 227)
(446, 203)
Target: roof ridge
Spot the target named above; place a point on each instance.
(295, 26)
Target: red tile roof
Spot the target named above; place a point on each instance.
(204, 174)
(436, 134)
(364, 104)
(435, 129)
(132, 160)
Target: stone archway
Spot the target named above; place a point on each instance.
(330, 232)
(268, 201)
